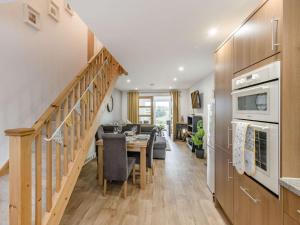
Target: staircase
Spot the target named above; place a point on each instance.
(45, 160)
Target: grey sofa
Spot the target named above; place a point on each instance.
(127, 127)
(159, 149)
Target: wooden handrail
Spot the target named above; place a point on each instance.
(77, 130)
(53, 107)
(4, 169)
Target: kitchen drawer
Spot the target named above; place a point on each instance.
(289, 221)
(291, 205)
(254, 205)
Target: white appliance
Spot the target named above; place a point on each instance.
(266, 153)
(256, 100)
(211, 147)
(255, 95)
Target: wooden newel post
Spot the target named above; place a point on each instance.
(20, 176)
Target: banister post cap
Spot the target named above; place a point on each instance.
(19, 132)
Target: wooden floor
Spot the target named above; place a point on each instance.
(178, 196)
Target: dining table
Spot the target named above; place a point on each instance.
(134, 144)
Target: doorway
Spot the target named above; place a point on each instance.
(162, 110)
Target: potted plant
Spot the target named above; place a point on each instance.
(160, 129)
(197, 139)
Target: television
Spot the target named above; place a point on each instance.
(196, 100)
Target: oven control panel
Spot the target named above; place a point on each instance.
(262, 74)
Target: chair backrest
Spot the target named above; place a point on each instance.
(149, 150)
(99, 133)
(115, 157)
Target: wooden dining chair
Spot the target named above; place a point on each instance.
(117, 165)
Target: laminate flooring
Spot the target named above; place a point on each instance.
(177, 196)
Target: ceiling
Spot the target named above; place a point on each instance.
(152, 39)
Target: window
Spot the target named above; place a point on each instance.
(146, 110)
(162, 110)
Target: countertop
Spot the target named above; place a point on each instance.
(291, 184)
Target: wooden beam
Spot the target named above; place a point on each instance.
(20, 176)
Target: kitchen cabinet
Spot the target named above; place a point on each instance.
(290, 92)
(291, 205)
(223, 77)
(253, 204)
(289, 221)
(260, 37)
(224, 182)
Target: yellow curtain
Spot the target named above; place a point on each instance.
(175, 110)
(133, 107)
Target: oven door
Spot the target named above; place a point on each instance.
(259, 103)
(266, 153)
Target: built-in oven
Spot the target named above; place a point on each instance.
(266, 153)
(256, 101)
(255, 95)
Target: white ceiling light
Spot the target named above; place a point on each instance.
(136, 89)
(170, 87)
(213, 31)
(128, 80)
(175, 79)
(181, 68)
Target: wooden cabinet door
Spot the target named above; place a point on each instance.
(289, 221)
(241, 202)
(224, 182)
(260, 37)
(254, 205)
(223, 77)
(267, 208)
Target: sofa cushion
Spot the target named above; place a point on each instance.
(108, 128)
(146, 129)
(129, 127)
(160, 143)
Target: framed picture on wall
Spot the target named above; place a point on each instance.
(53, 10)
(68, 8)
(31, 16)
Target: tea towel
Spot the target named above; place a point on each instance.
(250, 151)
(238, 147)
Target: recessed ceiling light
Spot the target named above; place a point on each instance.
(128, 80)
(212, 31)
(136, 89)
(181, 68)
(170, 87)
(175, 79)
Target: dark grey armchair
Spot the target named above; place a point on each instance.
(117, 166)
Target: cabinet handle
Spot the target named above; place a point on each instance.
(228, 170)
(274, 22)
(298, 211)
(228, 137)
(247, 193)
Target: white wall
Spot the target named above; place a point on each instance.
(108, 117)
(35, 65)
(116, 114)
(205, 86)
